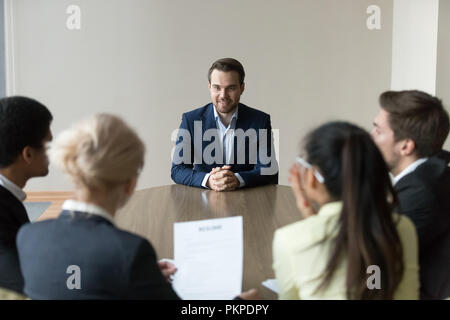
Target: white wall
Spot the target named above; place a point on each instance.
(443, 60)
(421, 48)
(414, 45)
(307, 62)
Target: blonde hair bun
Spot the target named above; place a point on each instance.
(99, 152)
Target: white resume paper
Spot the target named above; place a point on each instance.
(209, 257)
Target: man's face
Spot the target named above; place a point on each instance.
(39, 165)
(225, 90)
(383, 137)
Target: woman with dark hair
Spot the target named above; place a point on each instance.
(350, 244)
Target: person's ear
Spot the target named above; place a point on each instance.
(242, 87)
(408, 147)
(130, 186)
(27, 154)
(209, 85)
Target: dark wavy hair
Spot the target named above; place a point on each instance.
(227, 65)
(418, 116)
(23, 122)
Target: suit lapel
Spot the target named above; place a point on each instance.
(241, 123)
(208, 122)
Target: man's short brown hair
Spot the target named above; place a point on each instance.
(418, 116)
(226, 65)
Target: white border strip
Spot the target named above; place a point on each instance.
(414, 45)
(10, 64)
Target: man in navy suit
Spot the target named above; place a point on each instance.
(225, 145)
(24, 133)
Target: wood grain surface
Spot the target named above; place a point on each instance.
(151, 213)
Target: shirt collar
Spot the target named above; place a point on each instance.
(234, 116)
(413, 166)
(13, 188)
(72, 205)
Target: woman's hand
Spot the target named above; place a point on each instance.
(251, 294)
(167, 268)
(302, 203)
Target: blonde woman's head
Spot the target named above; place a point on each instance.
(102, 155)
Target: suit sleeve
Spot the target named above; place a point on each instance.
(182, 171)
(263, 172)
(145, 279)
(418, 204)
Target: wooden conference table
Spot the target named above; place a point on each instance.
(152, 212)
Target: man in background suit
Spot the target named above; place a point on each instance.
(24, 133)
(410, 131)
(241, 153)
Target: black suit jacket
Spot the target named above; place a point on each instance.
(424, 196)
(114, 264)
(12, 216)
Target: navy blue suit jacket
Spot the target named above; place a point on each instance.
(192, 174)
(114, 264)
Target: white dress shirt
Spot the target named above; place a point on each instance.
(413, 166)
(72, 205)
(13, 188)
(226, 135)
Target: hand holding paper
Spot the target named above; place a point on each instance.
(167, 268)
